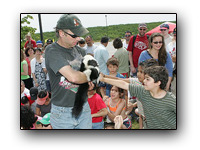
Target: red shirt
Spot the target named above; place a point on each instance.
(96, 103)
(32, 42)
(141, 44)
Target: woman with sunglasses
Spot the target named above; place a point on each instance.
(158, 51)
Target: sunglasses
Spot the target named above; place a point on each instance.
(143, 29)
(127, 35)
(162, 29)
(73, 36)
(160, 42)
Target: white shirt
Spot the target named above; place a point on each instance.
(26, 91)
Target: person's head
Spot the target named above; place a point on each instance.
(116, 92)
(155, 77)
(25, 101)
(164, 28)
(29, 51)
(33, 93)
(109, 125)
(27, 118)
(81, 43)
(127, 35)
(69, 29)
(49, 41)
(44, 123)
(142, 27)
(117, 43)
(28, 37)
(112, 65)
(156, 42)
(43, 97)
(39, 44)
(104, 40)
(89, 41)
(22, 86)
(174, 34)
(38, 52)
(143, 65)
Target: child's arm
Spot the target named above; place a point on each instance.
(100, 113)
(118, 111)
(117, 78)
(118, 83)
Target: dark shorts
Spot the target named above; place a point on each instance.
(127, 123)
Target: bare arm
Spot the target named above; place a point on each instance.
(117, 78)
(168, 83)
(131, 62)
(118, 111)
(73, 76)
(100, 113)
(25, 68)
(118, 83)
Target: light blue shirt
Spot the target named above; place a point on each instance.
(144, 56)
(101, 55)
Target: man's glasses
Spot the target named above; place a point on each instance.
(143, 29)
(73, 36)
(162, 29)
(160, 42)
(127, 35)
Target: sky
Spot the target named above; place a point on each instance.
(92, 20)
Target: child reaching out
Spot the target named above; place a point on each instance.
(112, 65)
(159, 105)
(138, 81)
(117, 106)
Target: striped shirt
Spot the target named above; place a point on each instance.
(159, 113)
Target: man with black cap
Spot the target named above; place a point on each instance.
(63, 60)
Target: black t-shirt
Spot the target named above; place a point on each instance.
(56, 57)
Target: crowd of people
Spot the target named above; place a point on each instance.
(137, 82)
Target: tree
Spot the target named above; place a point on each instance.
(25, 29)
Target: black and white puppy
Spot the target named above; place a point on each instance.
(91, 68)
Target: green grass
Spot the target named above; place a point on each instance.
(135, 124)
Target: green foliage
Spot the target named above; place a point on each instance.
(112, 31)
(25, 29)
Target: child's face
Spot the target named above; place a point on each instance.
(114, 92)
(140, 74)
(112, 68)
(149, 83)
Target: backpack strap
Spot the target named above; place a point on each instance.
(134, 37)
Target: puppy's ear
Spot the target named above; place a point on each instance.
(94, 74)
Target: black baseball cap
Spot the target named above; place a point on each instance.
(33, 93)
(73, 23)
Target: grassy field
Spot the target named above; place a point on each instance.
(135, 124)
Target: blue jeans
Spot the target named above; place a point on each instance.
(98, 125)
(61, 118)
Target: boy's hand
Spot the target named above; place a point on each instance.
(101, 77)
(91, 85)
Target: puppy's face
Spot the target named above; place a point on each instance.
(90, 62)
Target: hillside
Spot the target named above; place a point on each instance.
(112, 31)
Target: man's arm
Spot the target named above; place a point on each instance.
(133, 70)
(75, 76)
